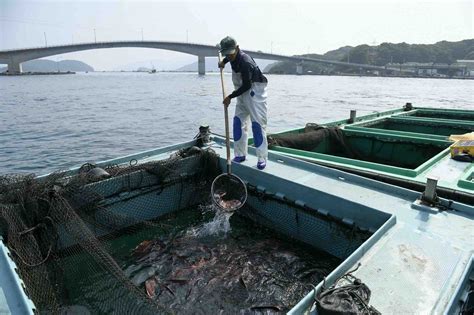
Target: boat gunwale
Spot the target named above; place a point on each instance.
(429, 121)
(332, 159)
(466, 181)
(128, 158)
(305, 303)
(397, 132)
(366, 126)
(456, 296)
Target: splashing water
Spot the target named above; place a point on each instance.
(220, 224)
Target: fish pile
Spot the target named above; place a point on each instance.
(247, 272)
(226, 205)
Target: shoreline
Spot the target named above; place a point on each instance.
(216, 72)
(36, 73)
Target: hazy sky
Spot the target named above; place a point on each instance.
(287, 27)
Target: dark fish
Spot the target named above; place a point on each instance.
(266, 307)
(179, 280)
(231, 204)
(143, 275)
(169, 290)
(241, 280)
(189, 293)
(307, 273)
(147, 246)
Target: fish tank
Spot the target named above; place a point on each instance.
(144, 237)
(441, 114)
(419, 126)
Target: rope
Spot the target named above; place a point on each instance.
(354, 290)
(23, 261)
(32, 229)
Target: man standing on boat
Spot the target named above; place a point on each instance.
(251, 94)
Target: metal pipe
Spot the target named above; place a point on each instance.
(352, 116)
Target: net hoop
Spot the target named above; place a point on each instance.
(239, 192)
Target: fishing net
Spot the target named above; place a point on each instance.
(46, 221)
(311, 137)
(395, 151)
(116, 239)
(348, 295)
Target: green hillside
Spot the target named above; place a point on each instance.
(441, 52)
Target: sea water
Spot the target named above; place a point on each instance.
(67, 120)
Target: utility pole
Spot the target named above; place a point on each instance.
(187, 36)
(95, 37)
(271, 47)
(142, 34)
(45, 40)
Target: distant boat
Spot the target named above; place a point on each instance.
(153, 70)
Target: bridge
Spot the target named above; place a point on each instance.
(14, 57)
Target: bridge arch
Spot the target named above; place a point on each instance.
(14, 58)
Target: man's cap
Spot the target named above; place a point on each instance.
(227, 46)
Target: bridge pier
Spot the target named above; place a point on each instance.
(299, 68)
(14, 67)
(201, 65)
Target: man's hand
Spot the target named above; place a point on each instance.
(221, 64)
(226, 101)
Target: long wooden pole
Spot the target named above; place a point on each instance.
(226, 119)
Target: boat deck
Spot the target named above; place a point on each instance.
(13, 299)
(417, 256)
(414, 261)
(415, 265)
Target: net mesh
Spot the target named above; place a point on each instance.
(109, 225)
(45, 221)
(228, 192)
(312, 135)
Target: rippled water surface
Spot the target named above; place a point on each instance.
(59, 121)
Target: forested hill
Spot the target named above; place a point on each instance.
(441, 52)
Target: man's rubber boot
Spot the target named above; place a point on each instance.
(239, 159)
(261, 164)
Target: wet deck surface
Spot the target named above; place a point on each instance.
(415, 266)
